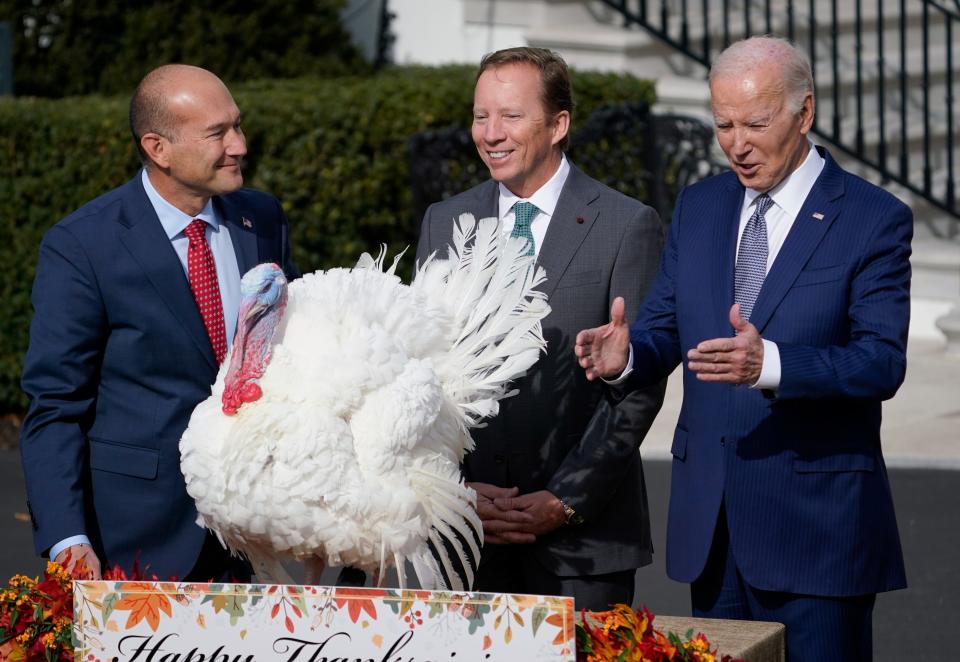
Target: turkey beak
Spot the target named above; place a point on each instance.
(255, 312)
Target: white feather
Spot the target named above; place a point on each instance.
(352, 453)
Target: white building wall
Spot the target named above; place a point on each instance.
(436, 32)
(428, 31)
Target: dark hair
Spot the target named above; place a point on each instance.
(556, 93)
(148, 110)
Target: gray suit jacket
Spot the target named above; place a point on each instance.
(563, 433)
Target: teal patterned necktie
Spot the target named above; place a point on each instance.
(524, 212)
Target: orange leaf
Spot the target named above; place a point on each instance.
(355, 606)
(144, 606)
(555, 619)
(289, 624)
(487, 641)
(275, 610)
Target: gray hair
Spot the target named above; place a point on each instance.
(756, 52)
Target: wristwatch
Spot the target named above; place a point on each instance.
(573, 517)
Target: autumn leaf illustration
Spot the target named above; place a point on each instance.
(556, 619)
(143, 606)
(358, 601)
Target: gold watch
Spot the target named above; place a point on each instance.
(572, 516)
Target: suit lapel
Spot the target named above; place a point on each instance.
(243, 234)
(728, 210)
(572, 219)
(802, 240)
(483, 202)
(150, 247)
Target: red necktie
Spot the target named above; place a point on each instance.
(206, 289)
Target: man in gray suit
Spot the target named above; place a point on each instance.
(558, 476)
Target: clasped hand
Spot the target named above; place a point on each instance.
(509, 517)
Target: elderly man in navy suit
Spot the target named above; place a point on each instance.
(135, 303)
(785, 287)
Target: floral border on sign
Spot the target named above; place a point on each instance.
(125, 605)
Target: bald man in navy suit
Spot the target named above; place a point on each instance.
(120, 352)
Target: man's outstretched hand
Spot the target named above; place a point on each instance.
(603, 351)
(736, 360)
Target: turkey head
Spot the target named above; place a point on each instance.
(263, 292)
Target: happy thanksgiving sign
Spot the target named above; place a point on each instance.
(178, 622)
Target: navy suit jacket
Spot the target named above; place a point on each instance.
(118, 359)
(800, 472)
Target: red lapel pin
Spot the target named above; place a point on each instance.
(580, 220)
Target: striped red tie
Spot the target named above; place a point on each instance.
(202, 272)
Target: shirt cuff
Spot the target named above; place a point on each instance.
(68, 542)
(626, 371)
(770, 370)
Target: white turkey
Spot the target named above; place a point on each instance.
(336, 427)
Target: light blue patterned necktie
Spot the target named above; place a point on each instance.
(751, 266)
(524, 213)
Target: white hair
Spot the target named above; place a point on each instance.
(756, 52)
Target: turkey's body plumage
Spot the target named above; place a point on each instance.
(352, 451)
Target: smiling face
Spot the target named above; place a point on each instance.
(201, 155)
(762, 138)
(514, 134)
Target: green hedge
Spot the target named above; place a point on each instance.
(332, 150)
(69, 47)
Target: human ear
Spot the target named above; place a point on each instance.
(156, 147)
(561, 126)
(807, 111)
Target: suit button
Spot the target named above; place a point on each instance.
(498, 459)
(723, 441)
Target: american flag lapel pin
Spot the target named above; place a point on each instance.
(247, 223)
(816, 215)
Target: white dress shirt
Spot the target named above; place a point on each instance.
(544, 199)
(174, 222)
(788, 197)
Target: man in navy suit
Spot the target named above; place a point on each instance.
(785, 284)
(120, 352)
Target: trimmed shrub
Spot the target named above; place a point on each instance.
(69, 47)
(333, 151)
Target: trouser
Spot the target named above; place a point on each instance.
(819, 629)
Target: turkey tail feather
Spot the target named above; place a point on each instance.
(488, 286)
